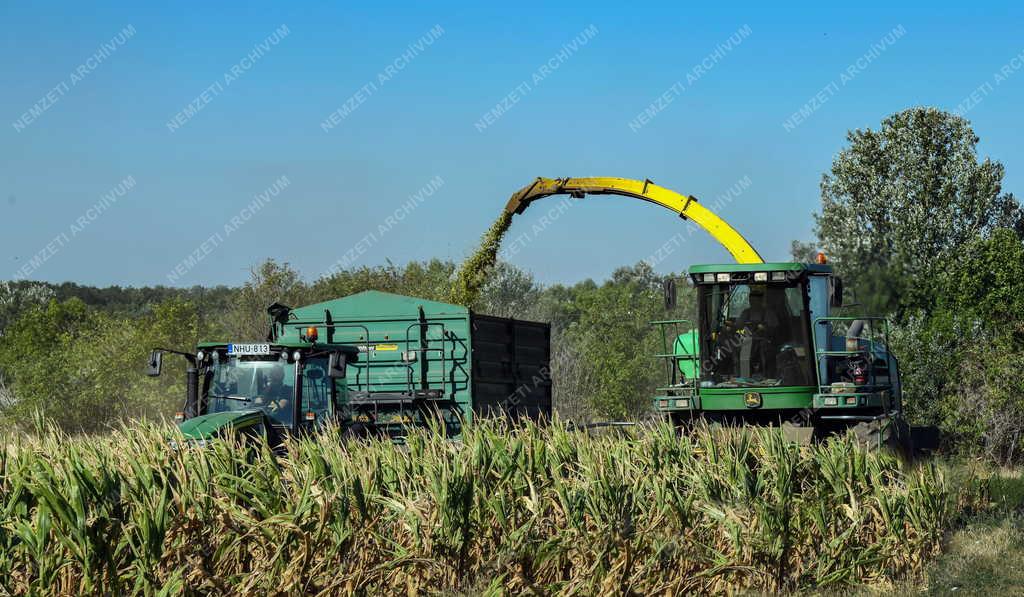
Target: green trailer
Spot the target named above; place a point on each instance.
(426, 360)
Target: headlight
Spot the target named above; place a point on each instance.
(831, 401)
(760, 276)
(189, 443)
(722, 277)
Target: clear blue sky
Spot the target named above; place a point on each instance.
(723, 127)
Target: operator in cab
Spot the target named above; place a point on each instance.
(275, 396)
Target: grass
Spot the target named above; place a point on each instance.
(535, 509)
(986, 557)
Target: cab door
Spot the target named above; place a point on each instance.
(318, 397)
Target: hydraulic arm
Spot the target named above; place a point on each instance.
(686, 206)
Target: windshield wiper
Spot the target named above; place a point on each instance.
(236, 398)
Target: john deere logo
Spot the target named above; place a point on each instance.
(752, 399)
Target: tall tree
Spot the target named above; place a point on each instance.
(899, 197)
(18, 297)
(269, 283)
(802, 252)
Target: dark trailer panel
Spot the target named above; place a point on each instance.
(511, 367)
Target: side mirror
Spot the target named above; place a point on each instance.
(837, 292)
(156, 361)
(337, 365)
(671, 296)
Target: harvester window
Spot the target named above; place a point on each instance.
(755, 335)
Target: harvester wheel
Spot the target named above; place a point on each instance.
(886, 434)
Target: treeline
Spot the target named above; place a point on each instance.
(76, 353)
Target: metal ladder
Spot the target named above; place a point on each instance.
(679, 387)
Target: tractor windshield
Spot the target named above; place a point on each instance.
(755, 335)
(252, 382)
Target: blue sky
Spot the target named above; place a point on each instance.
(110, 123)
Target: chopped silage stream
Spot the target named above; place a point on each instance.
(473, 274)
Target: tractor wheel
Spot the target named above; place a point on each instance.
(681, 421)
(886, 434)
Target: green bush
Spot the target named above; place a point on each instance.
(84, 369)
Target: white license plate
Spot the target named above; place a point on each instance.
(249, 349)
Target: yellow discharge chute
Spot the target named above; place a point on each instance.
(687, 207)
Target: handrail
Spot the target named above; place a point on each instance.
(868, 351)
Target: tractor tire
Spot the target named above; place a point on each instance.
(891, 435)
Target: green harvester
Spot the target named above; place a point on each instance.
(768, 346)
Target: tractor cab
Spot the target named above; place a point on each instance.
(768, 345)
(262, 389)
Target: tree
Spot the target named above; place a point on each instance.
(803, 252)
(510, 292)
(614, 337)
(986, 281)
(897, 198)
(428, 279)
(32, 358)
(269, 283)
(961, 362)
(82, 368)
(17, 297)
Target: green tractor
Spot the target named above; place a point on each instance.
(262, 390)
(768, 347)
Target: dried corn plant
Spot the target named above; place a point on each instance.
(504, 510)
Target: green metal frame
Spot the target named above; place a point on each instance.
(761, 267)
(870, 395)
(676, 396)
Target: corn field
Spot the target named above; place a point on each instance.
(505, 510)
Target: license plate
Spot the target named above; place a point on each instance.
(249, 349)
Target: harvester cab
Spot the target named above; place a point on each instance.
(769, 347)
(262, 389)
